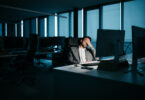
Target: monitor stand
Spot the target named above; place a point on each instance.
(113, 65)
(134, 68)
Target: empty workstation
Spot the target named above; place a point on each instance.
(72, 50)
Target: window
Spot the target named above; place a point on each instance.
(22, 32)
(51, 26)
(92, 25)
(71, 24)
(35, 26)
(45, 27)
(111, 16)
(56, 24)
(19, 29)
(26, 28)
(133, 15)
(6, 32)
(16, 30)
(80, 23)
(63, 26)
(42, 27)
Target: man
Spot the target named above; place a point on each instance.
(82, 54)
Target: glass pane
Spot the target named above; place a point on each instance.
(133, 15)
(64, 25)
(26, 28)
(80, 26)
(35, 26)
(10, 30)
(51, 26)
(42, 28)
(71, 24)
(22, 28)
(16, 30)
(92, 25)
(111, 16)
(19, 29)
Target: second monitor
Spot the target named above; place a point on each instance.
(110, 42)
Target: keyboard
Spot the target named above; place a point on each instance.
(92, 63)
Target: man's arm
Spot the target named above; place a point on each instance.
(92, 48)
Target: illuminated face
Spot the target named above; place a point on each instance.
(85, 42)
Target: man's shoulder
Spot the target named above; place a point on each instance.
(73, 47)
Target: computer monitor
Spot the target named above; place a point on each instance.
(51, 41)
(138, 38)
(110, 43)
(13, 43)
(59, 41)
(44, 42)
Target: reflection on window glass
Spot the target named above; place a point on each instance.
(92, 25)
(64, 25)
(111, 16)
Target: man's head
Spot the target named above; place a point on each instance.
(84, 41)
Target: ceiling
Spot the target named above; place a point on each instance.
(15, 10)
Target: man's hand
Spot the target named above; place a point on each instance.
(88, 61)
(89, 43)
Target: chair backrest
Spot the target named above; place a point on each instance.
(33, 46)
(72, 42)
(33, 42)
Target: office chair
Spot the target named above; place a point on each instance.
(69, 42)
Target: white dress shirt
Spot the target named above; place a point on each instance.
(82, 55)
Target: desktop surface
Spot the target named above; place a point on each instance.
(120, 75)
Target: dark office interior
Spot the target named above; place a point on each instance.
(35, 37)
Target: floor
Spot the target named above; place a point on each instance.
(13, 88)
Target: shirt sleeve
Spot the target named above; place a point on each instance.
(93, 51)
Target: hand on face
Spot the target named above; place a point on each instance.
(88, 42)
(85, 42)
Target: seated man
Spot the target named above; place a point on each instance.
(82, 54)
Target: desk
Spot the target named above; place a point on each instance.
(6, 57)
(74, 83)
